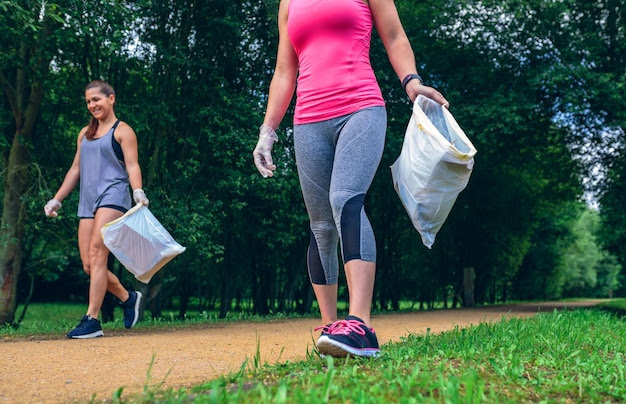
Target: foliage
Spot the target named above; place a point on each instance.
(613, 200)
(543, 273)
(27, 34)
(535, 87)
(588, 269)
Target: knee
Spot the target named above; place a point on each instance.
(337, 201)
(97, 256)
(346, 204)
(323, 230)
(347, 208)
(86, 268)
(353, 206)
(351, 226)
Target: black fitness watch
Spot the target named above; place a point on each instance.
(410, 77)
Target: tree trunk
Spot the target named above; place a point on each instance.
(13, 209)
(12, 228)
(24, 95)
(468, 287)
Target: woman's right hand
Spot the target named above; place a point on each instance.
(263, 151)
(51, 208)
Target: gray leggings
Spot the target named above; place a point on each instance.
(337, 160)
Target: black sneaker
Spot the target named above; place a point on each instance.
(131, 308)
(88, 327)
(348, 337)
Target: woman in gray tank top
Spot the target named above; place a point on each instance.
(104, 166)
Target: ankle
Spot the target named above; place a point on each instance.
(365, 318)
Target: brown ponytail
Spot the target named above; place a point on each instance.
(106, 89)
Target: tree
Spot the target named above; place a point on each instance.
(582, 257)
(523, 78)
(26, 31)
(488, 60)
(612, 233)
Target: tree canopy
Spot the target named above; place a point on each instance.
(539, 88)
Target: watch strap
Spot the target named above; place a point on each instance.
(410, 77)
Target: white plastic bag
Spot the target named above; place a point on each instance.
(434, 166)
(140, 242)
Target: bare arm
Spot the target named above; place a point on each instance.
(72, 177)
(283, 81)
(127, 138)
(398, 47)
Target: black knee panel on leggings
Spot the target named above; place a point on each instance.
(351, 228)
(316, 270)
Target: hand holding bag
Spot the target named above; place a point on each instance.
(434, 166)
(140, 242)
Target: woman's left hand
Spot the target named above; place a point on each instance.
(415, 88)
(140, 197)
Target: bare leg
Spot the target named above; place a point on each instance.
(115, 287)
(327, 300)
(94, 255)
(360, 276)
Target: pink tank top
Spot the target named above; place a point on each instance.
(332, 41)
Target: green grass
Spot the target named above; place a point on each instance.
(44, 319)
(568, 356)
(560, 357)
(616, 305)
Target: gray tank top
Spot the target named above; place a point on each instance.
(103, 176)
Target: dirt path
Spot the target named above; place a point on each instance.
(64, 371)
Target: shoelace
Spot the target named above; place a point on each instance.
(343, 327)
(328, 328)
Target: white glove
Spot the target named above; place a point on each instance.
(263, 151)
(51, 208)
(140, 197)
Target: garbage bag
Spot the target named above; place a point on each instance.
(434, 166)
(140, 242)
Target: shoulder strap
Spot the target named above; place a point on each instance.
(117, 148)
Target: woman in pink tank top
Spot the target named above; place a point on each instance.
(323, 56)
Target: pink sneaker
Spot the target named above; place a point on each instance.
(348, 337)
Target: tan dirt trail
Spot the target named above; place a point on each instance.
(77, 371)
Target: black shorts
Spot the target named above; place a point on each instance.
(116, 207)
